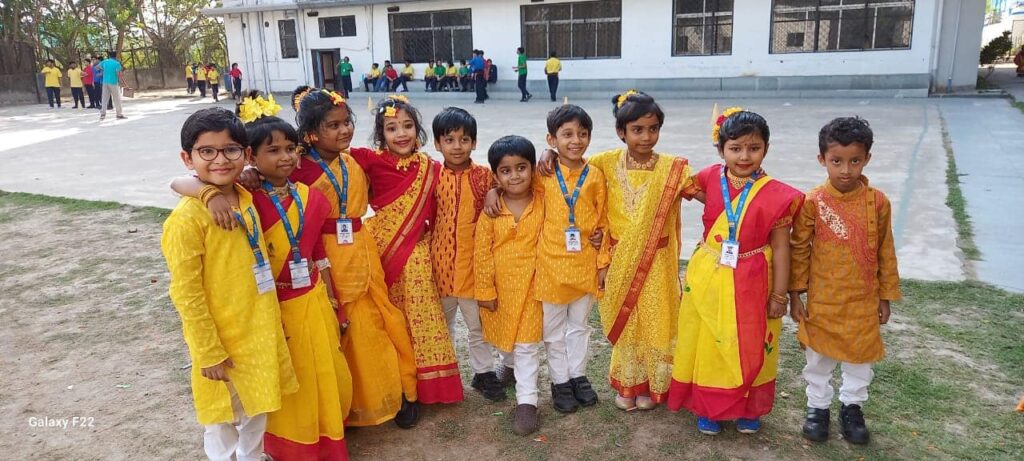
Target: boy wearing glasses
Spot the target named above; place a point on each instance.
(222, 286)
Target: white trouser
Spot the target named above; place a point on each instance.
(507, 359)
(527, 369)
(818, 374)
(241, 440)
(567, 338)
(481, 357)
(110, 92)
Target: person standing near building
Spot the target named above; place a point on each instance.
(87, 82)
(551, 68)
(476, 66)
(213, 76)
(521, 70)
(112, 71)
(201, 80)
(236, 81)
(345, 72)
(52, 77)
(1019, 61)
(190, 79)
(75, 82)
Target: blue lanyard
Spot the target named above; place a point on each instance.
(293, 237)
(254, 236)
(341, 190)
(734, 215)
(571, 200)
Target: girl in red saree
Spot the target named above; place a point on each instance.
(734, 295)
(403, 182)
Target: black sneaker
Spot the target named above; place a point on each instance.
(851, 419)
(488, 385)
(583, 392)
(506, 375)
(562, 398)
(816, 425)
(408, 415)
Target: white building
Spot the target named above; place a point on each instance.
(682, 47)
(1006, 15)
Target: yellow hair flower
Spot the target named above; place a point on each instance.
(715, 130)
(390, 111)
(336, 98)
(399, 97)
(269, 106)
(298, 98)
(624, 97)
(249, 110)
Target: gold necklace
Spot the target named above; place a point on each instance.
(737, 183)
(647, 165)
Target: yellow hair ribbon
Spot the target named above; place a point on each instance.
(625, 97)
(717, 128)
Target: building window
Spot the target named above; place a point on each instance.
(702, 27)
(810, 26)
(431, 35)
(337, 26)
(289, 41)
(578, 30)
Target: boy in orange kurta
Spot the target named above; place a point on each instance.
(461, 188)
(504, 264)
(570, 271)
(844, 258)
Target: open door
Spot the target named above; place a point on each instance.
(325, 68)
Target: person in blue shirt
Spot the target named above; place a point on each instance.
(476, 66)
(97, 78)
(111, 71)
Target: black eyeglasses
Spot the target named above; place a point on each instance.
(211, 153)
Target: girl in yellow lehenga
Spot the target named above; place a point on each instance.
(377, 343)
(638, 311)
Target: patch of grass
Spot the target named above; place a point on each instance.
(70, 205)
(956, 202)
(1019, 105)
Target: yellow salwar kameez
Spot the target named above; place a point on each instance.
(223, 315)
(376, 344)
(643, 338)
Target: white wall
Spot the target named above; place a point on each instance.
(646, 43)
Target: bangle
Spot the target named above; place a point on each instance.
(781, 299)
(207, 193)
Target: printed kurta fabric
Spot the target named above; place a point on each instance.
(641, 362)
(727, 351)
(376, 345)
(563, 277)
(223, 315)
(844, 256)
(504, 265)
(460, 197)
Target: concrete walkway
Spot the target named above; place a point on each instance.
(987, 135)
(70, 153)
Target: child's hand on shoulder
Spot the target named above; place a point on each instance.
(250, 179)
(492, 205)
(546, 162)
(491, 305)
(218, 372)
(220, 210)
(884, 311)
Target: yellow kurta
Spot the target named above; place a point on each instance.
(504, 264)
(377, 344)
(52, 77)
(563, 277)
(222, 313)
(641, 362)
(844, 257)
(459, 201)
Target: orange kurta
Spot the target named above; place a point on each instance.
(504, 264)
(460, 197)
(563, 277)
(844, 257)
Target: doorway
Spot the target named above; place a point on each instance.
(325, 68)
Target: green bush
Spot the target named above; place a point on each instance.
(998, 47)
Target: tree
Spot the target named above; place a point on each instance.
(997, 48)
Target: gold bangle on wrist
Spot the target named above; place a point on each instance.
(207, 193)
(781, 299)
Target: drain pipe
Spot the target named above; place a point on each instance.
(956, 40)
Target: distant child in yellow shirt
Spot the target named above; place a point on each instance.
(462, 186)
(75, 82)
(504, 264)
(570, 271)
(51, 79)
(223, 287)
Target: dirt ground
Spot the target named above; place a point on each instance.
(89, 337)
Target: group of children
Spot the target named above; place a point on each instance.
(200, 77)
(436, 77)
(310, 319)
